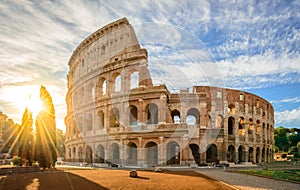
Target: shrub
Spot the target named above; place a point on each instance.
(16, 160)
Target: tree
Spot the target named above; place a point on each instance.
(46, 131)
(26, 137)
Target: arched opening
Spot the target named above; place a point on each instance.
(193, 117)
(151, 153)
(195, 152)
(267, 158)
(231, 122)
(173, 153)
(241, 154)
(117, 84)
(219, 121)
(263, 155)
(152, 114)
(88, 155)
(250, 126)
(251, 155)
(101, 119)
(211, 153)
(134, 80)
(115, 153)
(80, 154)
(133, 115)
(257, 155)
(74, 154)
(242, 126)
(175, 116)
(132, 153)
(101, 87)
(258, 127)
(231, 109)
(231, 154)
(264, 131)
(114, 117)
(100, 154)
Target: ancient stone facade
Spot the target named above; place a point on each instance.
(117, 116)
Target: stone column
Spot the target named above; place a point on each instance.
(161, 151)
(140, 152)
(184, 151)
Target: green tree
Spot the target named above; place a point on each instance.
(46, 131)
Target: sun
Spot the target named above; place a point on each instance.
(34, 105)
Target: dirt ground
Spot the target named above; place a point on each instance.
(109, 179)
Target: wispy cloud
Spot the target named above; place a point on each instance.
(255, 44)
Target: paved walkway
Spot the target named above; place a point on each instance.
(249, 182)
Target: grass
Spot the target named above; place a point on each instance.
(292, 175)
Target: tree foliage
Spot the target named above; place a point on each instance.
(287, 139)
(46, 131)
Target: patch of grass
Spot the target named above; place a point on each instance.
(292, 175)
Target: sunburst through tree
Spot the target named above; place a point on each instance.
(46, 131)
(26, 137)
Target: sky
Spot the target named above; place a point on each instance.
(252, 46)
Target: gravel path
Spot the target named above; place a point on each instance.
(249, 182)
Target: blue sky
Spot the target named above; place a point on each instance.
(250, 45)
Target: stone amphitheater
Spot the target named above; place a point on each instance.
(116, 116)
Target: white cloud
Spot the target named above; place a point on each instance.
(288, 118)
(287, 100)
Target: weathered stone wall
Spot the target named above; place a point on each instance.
(116, 115)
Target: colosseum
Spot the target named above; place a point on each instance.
(116, 116)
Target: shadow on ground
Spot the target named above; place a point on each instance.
(47, 180)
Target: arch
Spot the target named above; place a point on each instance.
(132, 153)
(101, 87)
(74, 153)
(133, 118)
(101, 119)
(257, 127)
(117, 83)
(80, 154)
(193, 116)
(195, 152)
(251, 155)
(250, 126)
(219, 121)
(152, 113)
(114, 117)
(151, 153)
(257, 155)
(115, 153)
(231, 122)
(175, 114)
(263, 153)
(231, 154)
(134, 80)
(242, 126)
(100, 154)
(173, 153)
(88, 155)
(241, 153)
(231, 109)
(267, 155)
(211, 153)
